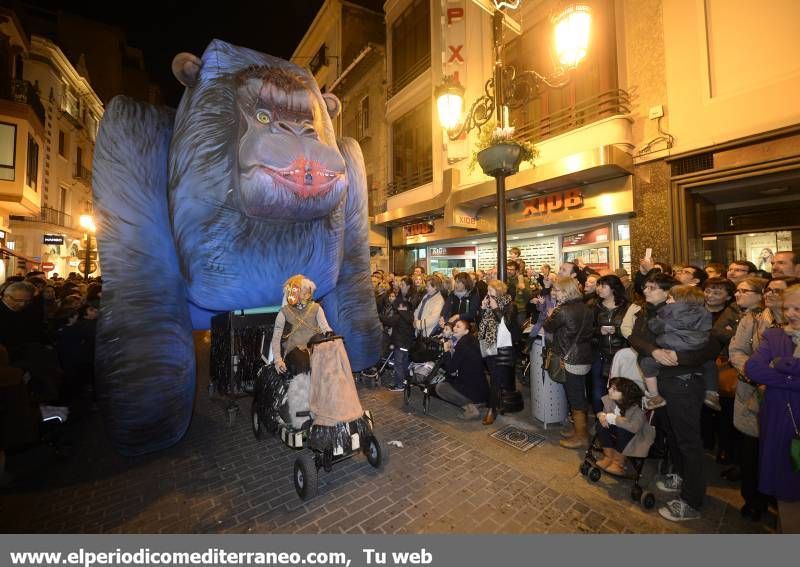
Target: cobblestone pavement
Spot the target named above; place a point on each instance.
(448, 477)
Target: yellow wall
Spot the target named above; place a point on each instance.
(732, 67)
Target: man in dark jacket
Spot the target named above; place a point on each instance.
(680, 384)
(465, 385)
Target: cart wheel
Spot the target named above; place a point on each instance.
(636, 493)
(648, 501)
(305, 475)
(407, 395)
(594, 474)
(426, 403)
(584, 468)
(255, 420)
(377, 453)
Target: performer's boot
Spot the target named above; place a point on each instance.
(581, 437)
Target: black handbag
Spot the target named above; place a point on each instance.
(554, 365)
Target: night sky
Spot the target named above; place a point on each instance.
(165, 28)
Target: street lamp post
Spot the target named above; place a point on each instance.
(87, 223)
(507, 89)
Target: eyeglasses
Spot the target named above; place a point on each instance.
(18, 301)
(771, 290)
(745, 291)
(716, 290)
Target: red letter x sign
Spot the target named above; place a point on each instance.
(455, 54)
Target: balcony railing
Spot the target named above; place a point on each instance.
(609, 103)
(402, 184)
(24, 92)
(83, 173)
(400, 82)
(49, 216)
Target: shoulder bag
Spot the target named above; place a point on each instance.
(554, 364)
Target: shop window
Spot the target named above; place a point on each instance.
(411, 44)
(8, 143)
(756, 247)
(412, 152)
(31, 175)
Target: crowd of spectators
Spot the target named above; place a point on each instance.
(717, 350)
(47, 336)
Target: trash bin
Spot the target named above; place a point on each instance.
(548, 399)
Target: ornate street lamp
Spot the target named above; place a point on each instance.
(87, 223)
(509, 89)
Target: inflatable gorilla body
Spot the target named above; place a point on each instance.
(211, 209)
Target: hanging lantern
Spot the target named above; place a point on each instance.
(572, 27)
(450, 103)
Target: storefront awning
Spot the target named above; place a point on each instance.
(583, 168)
(421, 210)
(8, 252)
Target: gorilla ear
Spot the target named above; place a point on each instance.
(333, 104)
(186, 68)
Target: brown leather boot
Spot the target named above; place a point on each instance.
(617, 465)
(607, 458)
(568, 431)
(491, 415)
(581, 437)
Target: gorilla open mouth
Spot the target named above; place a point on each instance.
(304, 178)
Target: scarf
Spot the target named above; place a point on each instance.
(461, 294)
(795, 336)
(487, 329)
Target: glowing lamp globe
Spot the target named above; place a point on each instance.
(572, 27)
(450, 103)
(87, 223)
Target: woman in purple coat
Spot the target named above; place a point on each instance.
(776, 365)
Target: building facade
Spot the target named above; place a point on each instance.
(345, 50)
(22, 137)
(72, 116)
(673, 134)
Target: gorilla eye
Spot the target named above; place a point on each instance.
(263, 117)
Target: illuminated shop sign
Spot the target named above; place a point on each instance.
(553, 202)
(417, 229)
(52, 239)
(452, 251)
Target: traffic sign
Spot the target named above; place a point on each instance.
(48, 267)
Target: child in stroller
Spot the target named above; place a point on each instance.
(622, 431)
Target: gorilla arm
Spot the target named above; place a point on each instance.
(350, 307)
(145, 355)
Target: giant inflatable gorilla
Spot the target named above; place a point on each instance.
(211, 209)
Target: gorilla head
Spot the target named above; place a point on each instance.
(255, 166)
(288, 159)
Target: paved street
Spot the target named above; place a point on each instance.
(449, 477)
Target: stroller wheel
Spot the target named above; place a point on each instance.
(584, 468)
(305, 475)
(407, 394)
(377, 453)
(648, 501)
(259, 428)
(595, 474)
(636, 493)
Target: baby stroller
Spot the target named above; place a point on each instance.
(590, 469)
(625, 365)
(317, 413)
(425, 370)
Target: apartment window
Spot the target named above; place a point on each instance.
(63, 200)
(33, 163)
(412, 152)
(8, 145)
(411, 44)
(62, 143)
(592, 92)
(78, 158)
(362, 124)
